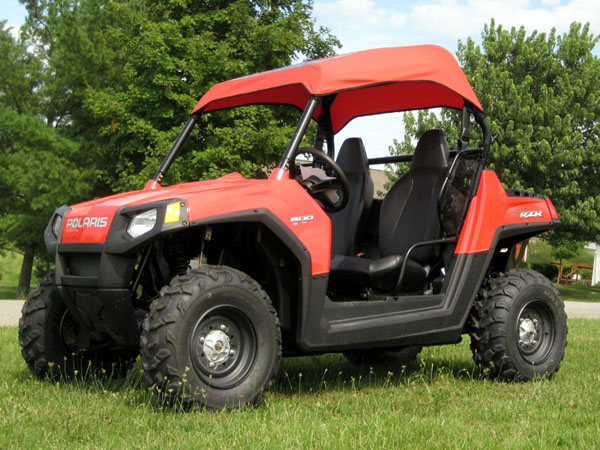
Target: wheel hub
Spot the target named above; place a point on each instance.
(535, 332)
(223, 347)
(216, 346)
(528, 332)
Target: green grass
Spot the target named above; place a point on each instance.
(10, 268)
(442, 401)
(579, 292)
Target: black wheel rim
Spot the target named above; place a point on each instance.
(223, 347)
(69, 332)
(535, 332)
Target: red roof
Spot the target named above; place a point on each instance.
(366, 82)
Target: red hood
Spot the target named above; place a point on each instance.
(90, 221)
(284, 198)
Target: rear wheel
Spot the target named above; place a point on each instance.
(48, 335)
(212, 339)
(403, 355)
(519, 327)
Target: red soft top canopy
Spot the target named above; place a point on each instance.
(366, 82)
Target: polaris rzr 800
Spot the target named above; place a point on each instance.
(213, 281)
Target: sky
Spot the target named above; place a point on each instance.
(364, 24)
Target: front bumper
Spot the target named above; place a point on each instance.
(94, 280)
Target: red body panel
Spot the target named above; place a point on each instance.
(491, 208)
(285, 198)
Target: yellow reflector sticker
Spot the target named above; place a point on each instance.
(173, 212)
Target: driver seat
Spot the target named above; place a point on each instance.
(409, 215)
(349, 223)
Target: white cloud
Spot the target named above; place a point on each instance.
(398, 20)
(358, 14)
(362, 24)
(461, 19)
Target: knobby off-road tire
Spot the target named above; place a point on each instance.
(519, 327)
(402, 356)
(48, 338)
(211, 339)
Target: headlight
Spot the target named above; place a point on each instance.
(142, 223)
(57, 225)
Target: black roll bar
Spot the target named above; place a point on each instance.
(183, 135)
(307, 114)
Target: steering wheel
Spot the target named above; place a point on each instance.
(321, 188)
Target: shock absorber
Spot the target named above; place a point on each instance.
(178, 261)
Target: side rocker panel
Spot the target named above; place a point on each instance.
(408, 320)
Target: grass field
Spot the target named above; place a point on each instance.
(579, 293)
(441, 401)
(10, 267)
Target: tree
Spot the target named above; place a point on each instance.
(38, 169)
(95, 92)
(36, 178)
(137, 68)
(540, 93)
(566, 248)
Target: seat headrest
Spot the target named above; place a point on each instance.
(352, 157)
(431, 151)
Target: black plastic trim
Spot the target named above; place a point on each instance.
(107, 311)
(398, 321)
(80, 247)
(527, 229)
(50, 239)
(119, 242)
(526, 194)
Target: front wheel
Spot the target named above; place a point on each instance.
(212, 339)
(519, 327)
(48, 335)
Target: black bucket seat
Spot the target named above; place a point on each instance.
(348, 224)
(408, 215)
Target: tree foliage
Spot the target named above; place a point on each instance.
(136, 69)
(39, 168)
(95, 91)
(541, 96)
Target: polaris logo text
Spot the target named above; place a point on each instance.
(87, 222)
(530, 214)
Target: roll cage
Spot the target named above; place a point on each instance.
(335, 90)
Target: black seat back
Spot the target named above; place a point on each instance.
(347, 225)
(409, 212)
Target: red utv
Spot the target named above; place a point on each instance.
(213, 281)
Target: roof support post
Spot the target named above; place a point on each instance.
(183, 135)
(307, 114)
